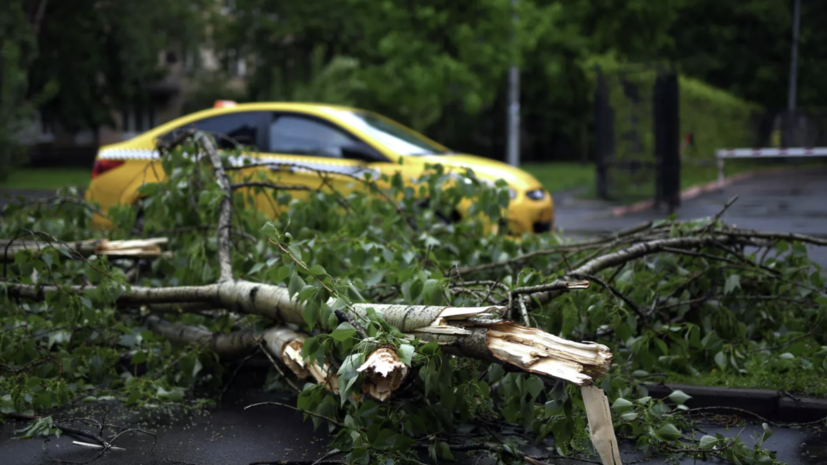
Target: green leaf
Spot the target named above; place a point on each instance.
(343, 332)
(316, 270)
(297, 254)
(707, 442)
(720, 360)
(405, 353)
(359, 456)
(534, 386)
(679, 397)
(767, 432)
(138, 358)
(445, 451)
(386, 439)
(429, 348)
(732, 282)
(283, 274)
(629, 416)
(621, 405)
(256, 268)
(668, 432)
(495, 372)
(296, 285)
(175, 395)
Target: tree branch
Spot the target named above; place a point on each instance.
(225, 211)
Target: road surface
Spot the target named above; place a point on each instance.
(794, 201)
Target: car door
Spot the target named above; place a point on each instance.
(230, 130)
(313, 152)
(246, 128)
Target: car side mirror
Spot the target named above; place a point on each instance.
(362, 152)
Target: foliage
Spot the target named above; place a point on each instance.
(689, 313)
(706, 32)
(108, 61)
(17, 52)
(440, 68)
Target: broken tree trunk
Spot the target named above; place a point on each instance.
(138, 248)
(476, 332)
(383, 371)
(281, 342)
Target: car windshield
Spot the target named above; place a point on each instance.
(395, 137)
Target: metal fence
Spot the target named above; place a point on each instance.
(637, 134)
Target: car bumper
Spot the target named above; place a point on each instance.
(531, 216)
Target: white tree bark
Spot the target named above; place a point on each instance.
(476, 332)
(138, 248)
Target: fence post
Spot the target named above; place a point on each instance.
(604, 135)
(667, 140)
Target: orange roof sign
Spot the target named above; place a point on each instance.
(224, 104)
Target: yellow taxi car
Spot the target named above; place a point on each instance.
(303, 139)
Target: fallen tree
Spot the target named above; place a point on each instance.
(351, 295)
(134, 249)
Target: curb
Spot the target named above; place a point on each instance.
(695, 191)
(770, 405)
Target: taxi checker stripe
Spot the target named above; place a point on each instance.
(128, 154)
(147, 154)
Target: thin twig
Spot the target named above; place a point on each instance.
(314, 414)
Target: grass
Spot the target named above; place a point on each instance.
(557, 177)
(806, 383)
(47, 178)
(562, 176)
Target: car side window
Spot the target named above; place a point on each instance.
(298, 135)
(231, 129)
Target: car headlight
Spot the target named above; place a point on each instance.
(536, 194)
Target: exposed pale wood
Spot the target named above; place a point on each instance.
(383, 372)
(601, 429)
(136, 248)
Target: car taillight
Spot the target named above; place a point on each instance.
(102, 166)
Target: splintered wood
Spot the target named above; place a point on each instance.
(137, 248)
(383, 372)
(542, 353)
(530, 349)
(286, 344)
(601, 429)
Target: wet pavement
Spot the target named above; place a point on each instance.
(229, 434)
(226, 435)
(793, 201)
(12, 195)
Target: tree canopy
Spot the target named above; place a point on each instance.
(439, 67)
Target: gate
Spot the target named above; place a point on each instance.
(637, 135)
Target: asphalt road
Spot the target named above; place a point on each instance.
(794, 202)
(231, 435)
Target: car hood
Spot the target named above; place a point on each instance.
(484, 168)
